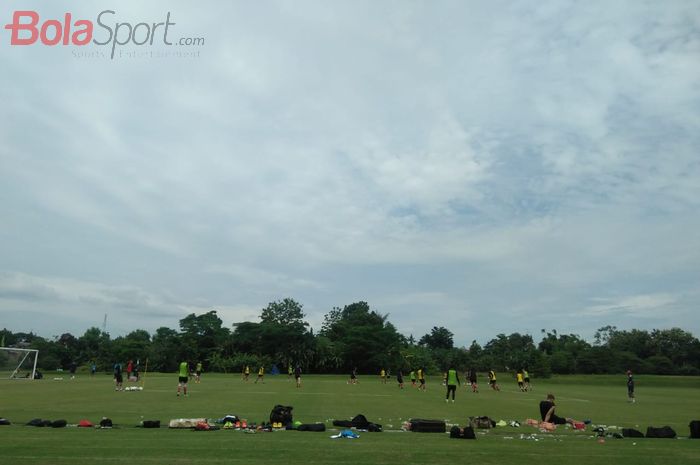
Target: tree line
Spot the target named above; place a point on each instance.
(356, 336)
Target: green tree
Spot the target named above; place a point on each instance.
(438, 338)
(363, 338)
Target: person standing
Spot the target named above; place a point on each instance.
(473, 380)
(492, 381)
(261, 375)
(421, 379)
(297, 375)
(246, 373)
(290, 372)
(353, 376)
(198, 373)
(451, 380)
(413, 378)
(382, 376)
(129, 369)
(93, 368)
(519, 378)
(526, 380)
(630, 387)
(399, 379)
(183, 377)
(118, 377)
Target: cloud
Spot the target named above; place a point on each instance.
(634, 306)
(514, 161)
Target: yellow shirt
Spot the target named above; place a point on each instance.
(261, 371)
(519, 376)
(382, 373)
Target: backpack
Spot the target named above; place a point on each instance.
(105, 423)
(151, 423)
(481, 422)
(4, 421)
(695, 429)
(462, 433)
(374, 428)
(360, 421)
(59, 423)
(281, 414)
(665, 432)
(36, 422)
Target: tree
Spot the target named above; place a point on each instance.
(202, 335)
(166, 352)
(439, 338)
(286, 312)
(363, 338)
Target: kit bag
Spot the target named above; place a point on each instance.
(281, 414)
(317, 427)
(665, 432)
(695, 429)
(462, 433)
(481, 422)
(419, 425)
(631, 433)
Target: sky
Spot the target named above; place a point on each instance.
(486, 166)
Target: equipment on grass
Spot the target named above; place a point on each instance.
(427, 426)
(695, 429)
(281, 414)
(665, 432)
(462, 433)
(16, 363)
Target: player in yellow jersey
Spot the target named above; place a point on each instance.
(261, 375)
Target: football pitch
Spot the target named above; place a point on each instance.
(672, 401)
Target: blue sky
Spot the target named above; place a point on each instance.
(491, 167)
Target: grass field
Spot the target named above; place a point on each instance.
(661, 401)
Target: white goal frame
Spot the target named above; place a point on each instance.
(21, 359)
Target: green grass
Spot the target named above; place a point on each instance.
(661, 401)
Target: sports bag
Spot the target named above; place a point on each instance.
(695, 429)
(665, 432)
(281, 414)
(462, 433)
(151, 423)
(59, 423)
(317, 427)
(481, 422)
(427, 426)
(631, 433)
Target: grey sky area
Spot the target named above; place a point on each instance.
(491, 167)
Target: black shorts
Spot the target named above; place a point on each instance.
(183, 379)
(557, 420)
(119, 378)
(527, 380)
(492, 382)
(520, 383)
(297, 376)
(422, 381)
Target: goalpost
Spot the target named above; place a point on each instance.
(18, 363)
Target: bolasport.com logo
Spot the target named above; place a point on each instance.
(28, 28)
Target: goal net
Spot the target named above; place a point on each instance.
(18, 363)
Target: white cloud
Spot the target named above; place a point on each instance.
(532, 156)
